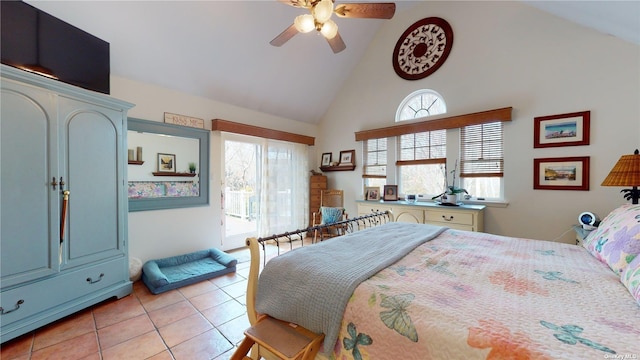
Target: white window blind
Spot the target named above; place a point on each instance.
(375, 158)
(429, 147)
(481, 150)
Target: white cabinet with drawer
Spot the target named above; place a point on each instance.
(463, 217)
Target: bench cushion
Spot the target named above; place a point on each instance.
(173, 272)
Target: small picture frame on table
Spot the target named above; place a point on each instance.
(390, 193)
(326, 159)
(372, 193)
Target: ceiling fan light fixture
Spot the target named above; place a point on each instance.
(304, 23)
(323, 11)
(329, 29)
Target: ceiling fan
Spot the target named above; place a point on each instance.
(319, 19)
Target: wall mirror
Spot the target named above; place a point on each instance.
(168, 166)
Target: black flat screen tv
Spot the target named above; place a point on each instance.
(36, 41)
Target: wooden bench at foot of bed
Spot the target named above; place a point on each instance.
(273, 339)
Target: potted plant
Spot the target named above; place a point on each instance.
(192, 167)
(450, 195)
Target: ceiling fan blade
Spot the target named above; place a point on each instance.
(337, 44)
(297, 3)
(284, 36)
(366, 10)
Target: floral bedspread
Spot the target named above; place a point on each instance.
(470, 295)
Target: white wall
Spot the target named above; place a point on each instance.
(161, 233)
(506, 54)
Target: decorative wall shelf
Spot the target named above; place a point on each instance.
(165, 173)
(338, 168)
(135, 162)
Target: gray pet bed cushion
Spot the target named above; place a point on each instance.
(173, 272)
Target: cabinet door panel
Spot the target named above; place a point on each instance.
(29, 244)
(92, 162)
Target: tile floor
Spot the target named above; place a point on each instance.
(201, 321)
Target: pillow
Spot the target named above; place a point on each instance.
(631, 278)
(331, 215)
(616, 242)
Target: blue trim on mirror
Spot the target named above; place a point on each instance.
(175, 130)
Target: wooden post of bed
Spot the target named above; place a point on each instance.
(274, 339)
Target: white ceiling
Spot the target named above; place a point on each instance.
(220, 49)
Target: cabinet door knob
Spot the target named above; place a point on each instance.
(54, 183)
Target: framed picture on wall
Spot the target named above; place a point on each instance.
(390, 193)
(166, 162)
(561, 130)
(565, 173)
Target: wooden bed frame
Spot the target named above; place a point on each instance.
(254, 244)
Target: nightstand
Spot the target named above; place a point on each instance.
(581, 234)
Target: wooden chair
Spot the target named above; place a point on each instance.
(329, 198)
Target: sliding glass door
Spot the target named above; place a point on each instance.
(265, 186)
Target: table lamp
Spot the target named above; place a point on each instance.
(626, 172)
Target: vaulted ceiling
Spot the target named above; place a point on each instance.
(220, 49)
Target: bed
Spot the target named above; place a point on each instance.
(457, 294)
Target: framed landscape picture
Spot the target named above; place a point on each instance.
(568, 173)
(562, 130)
(166, 162)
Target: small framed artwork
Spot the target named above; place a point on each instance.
(390, 193)
(372, 193)
(326, 159)
(562, 130)
(166, 162)
(566, 173)
(347, 157)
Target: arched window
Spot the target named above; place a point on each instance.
(421, 156)
(421, 103)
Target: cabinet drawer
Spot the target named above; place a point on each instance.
(449, 217)
(50, 292)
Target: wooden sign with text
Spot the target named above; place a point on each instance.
(183, 120)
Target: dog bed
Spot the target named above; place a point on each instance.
(173, 272)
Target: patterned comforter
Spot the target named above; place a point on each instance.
(470, 295)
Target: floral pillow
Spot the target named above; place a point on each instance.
(631, 278)
(616, 242)
(331, 215)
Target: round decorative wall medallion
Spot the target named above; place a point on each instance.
(422, 48)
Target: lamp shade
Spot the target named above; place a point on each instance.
(329, 29)
(323, 10)
(626, 172)
(304, 23)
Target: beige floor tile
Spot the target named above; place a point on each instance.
(185, 329)
(172, 313)
(141, 347)
(207, 346)
(114, 311)
(17, 348)
(197, 289)
(125, 330)
(155, 302)
(224, 312)
(234, 329)
(210, 299)
(236, 289)
(76, 348)
(64, 329)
